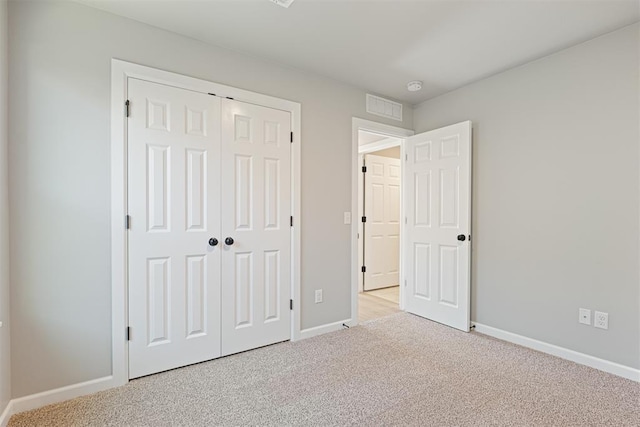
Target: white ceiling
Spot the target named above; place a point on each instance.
(381, 45)
(365, 137)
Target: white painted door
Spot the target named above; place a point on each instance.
(438, 210)
(256, 283)
(382, 228)
(174, 204)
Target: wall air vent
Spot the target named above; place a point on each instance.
(384, 107)
(283, 3)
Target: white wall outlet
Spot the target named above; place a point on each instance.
(584, 316)
(601, 320)
(347, 217)
(318, 296)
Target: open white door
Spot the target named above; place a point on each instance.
(437, 247)
(174, 185)
(256, 255)
(382, 229)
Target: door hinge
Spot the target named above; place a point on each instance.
(406, 157)
(291, 221)
(364, 169)
(290, 304)
(127, 222)
(363, 269)
(364, 219)
(405, 219)
(126, 108)
(405, 283)
(128, 333)
(292, 137)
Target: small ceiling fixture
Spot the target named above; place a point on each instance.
(283, 3)
(414, 86)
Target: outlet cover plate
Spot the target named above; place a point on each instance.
(601, 320)
(584, 316)
(318, 296)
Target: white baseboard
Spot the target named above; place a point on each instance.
(6, 414)
(319, 330)
(57, 395)
(564, 353)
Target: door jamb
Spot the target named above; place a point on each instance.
(380, 128)
(120, 72)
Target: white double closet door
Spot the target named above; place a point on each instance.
(209, 239)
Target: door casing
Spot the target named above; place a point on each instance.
(121, 71)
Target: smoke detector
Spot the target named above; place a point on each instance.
(414, 86)
(283, 3)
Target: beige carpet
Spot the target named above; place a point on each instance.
(397, 370)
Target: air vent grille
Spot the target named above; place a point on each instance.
(384, 107)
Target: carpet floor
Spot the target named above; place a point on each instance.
(397, 370)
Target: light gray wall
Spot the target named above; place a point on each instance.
(5, 349)
(60, 57)
(555, 194)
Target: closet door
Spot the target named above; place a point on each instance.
(382, 229)
(174, 267)
(256, 240)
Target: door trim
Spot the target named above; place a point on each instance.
(391, 131)
(120, 72)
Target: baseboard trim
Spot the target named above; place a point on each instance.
(6, 414)
(57, 395)
(561, 352)
(319, 330)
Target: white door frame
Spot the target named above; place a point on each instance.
(358, 124)
(120, 72)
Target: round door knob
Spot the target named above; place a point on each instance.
(228, 241)
(213, 241)
(462, 237)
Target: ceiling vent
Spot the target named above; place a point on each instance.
(283, 3)
(384, 107)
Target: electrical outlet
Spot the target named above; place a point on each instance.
(601, 320)
(584, 316)
(318, 296)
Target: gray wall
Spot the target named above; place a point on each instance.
(555, 194)
(60, 57)
(5, 350)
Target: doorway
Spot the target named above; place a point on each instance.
(379, 235)
(377, 199)
(435, 222)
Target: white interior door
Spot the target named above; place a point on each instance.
(256, 211)
(437, 249)
(173, 199)
(382, 228)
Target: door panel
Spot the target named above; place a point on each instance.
(382, 229)
(438, 206)
(174, 275)
(256, 209)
